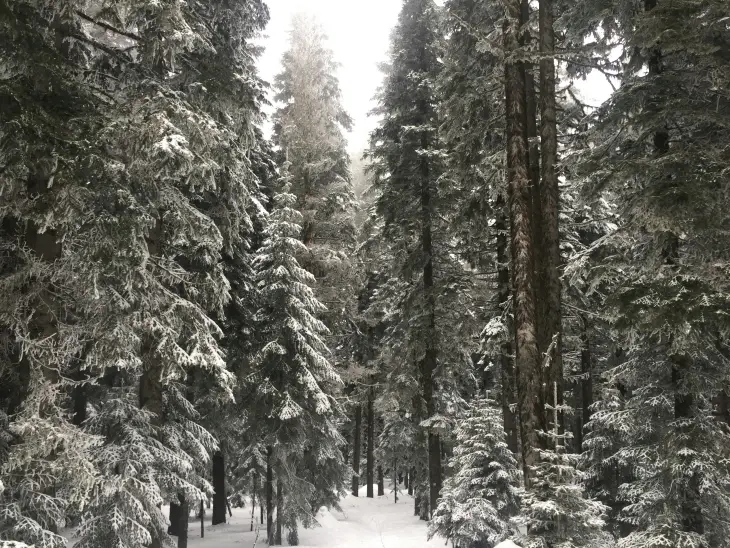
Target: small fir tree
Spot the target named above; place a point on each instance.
(555, 510)
(483, 493)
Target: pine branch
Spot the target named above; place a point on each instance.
(107, 26)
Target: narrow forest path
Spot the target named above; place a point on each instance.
(362, 523)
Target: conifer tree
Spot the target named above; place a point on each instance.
(482, 494)
(292, 383)
(555, 511)
(309, 127)
(428, 340)
(657, 156)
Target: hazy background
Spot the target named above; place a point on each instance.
(358, 33)
(359, 36)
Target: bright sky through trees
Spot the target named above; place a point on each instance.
(358, 35)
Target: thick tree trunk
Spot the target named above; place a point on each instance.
(381, 481)
(269, 496)
(279, 511)
(174, 528)
(526, 350)
(219, 487)
(550, 262)
(411, 479)
(370, 466)
(356, 445)
(183, 521)
(507, 372)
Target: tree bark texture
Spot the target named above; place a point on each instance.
(550, 261)
(526, 350)
(219, 487)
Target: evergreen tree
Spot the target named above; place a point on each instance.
(292, 383)
(657, 156)
(309, 128)
(555, 512)
(430, 338)
(482, 494)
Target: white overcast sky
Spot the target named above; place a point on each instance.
(359, 36)
(358, 33)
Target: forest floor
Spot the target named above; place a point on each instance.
(363, 522)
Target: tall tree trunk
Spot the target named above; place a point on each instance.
(550, 263)
(586, 384)
(429, 361)
(279, 511)
(202, 519)
(526, 350)
(507, 372)
(381, 481)
(356, 445)
(219, 487)
(370, 466)
(269, 496)
(411, 479)
(183, 520)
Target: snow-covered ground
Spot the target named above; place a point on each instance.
(363, 523)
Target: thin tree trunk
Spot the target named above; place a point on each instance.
(254, 485)
(183, 520)
(356, 445)
(586, 384)
(395, 481)
(411, 480)
(370, 466)
(526, 350)
(507, 371)
(219, 487)
(381, 481)
(269, 496)
(279, 511)
(202, 519)
(261, 510)
(550, 262)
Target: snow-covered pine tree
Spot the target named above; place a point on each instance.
(151, 186)
(292, 383)
(429, 338)
(556, 513)
(52, 159)
(658, 154)
(309, 127)
(483, 493)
